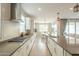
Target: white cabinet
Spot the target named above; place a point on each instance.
(0, 23)
(8, 29)
(9, 12)
(50, 46)
(4, 16)
(0, 11)
(66, 53)
(17, 53)
(5, 11)
(59, 50)
(21, 51)
(56, 50)
(26, 48)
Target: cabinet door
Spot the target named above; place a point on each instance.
(59, 50)
(0, 31)
(55, 49)
(49, 45)
(17, 53)
(0, 24)
(5, 11)
(29, 46)
(66, 53)
(23, 50)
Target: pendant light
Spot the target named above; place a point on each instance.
(76, 8)
(58, 18)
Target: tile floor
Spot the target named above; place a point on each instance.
(39, 48)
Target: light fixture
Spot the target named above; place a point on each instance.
(71, 9)
(76, 8)
(39, 9)
(58, 18)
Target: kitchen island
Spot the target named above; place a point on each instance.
(9, 47)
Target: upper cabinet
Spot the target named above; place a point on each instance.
(0, 21)
(0, 12)
(5, 11)
(9, 29)
(10, 11)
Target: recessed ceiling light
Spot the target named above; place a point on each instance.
(71, 8)
(39, 9)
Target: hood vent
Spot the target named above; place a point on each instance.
(16, 12)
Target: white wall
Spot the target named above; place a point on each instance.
(9, 29)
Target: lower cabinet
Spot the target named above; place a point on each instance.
(59, 50)
(66, 53)
(25, 49)
(17, 52)
(55, 49)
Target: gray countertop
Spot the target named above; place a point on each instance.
(71, 48)
(7, 48)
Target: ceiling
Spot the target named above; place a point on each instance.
(49, 10)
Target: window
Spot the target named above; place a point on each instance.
(67, 32)
(72, 32)
(54, 29)
(43, 28)
(77, 28)
(77, 32)
(22, 24)
(28, 21)
(71, 27)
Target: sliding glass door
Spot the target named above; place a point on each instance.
(66, 32)
(54, 29)
(77, 32)
(72, 31)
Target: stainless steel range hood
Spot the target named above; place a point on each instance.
(16, 12)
